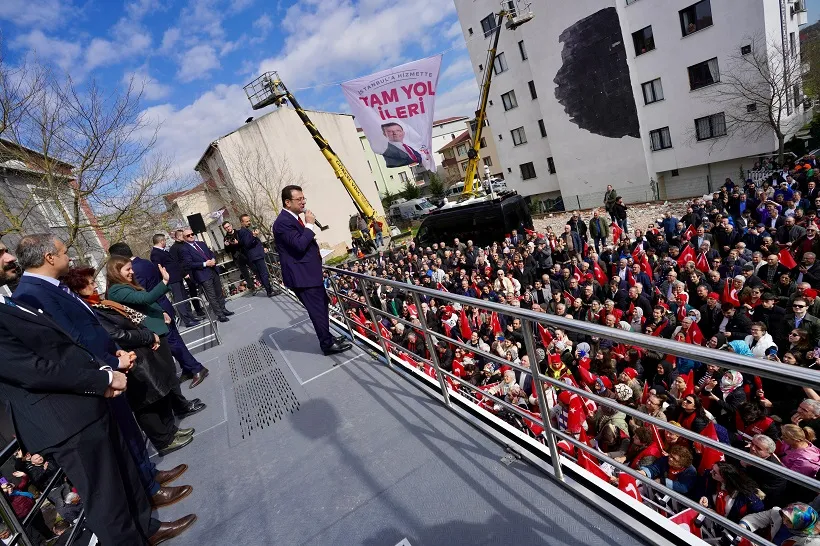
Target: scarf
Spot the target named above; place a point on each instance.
(730, 381)
(131, 314)
(803, 518)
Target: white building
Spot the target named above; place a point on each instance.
(385, 178)
(444, 131)
(568, 112)
(261, 157)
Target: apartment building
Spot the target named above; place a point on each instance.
(597, 92)
(456, 158)
(386, 179)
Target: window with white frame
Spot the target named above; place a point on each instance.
(403, 177)
(696, 17)
(49, 206)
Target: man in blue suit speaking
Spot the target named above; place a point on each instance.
(302, 265)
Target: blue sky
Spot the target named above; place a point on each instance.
(814, 10)
(194, 56)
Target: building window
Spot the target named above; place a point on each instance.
(488, 162)
(500, 63)
(703, 74)
(464, 165)
(50, 207)
(461, 150)
(696, 17)
(518, 136)
(710, 126)
(550, 165)
(652, 91)
(675, 172)
(630, 2)
(470, 31)
(369, 165)
(751, 107)
(481, 68)
(527, 170)
(660, 139)
(542, 128)
(483, 142)
(404, 178)
(509, 100)
(745, 50)
(488, 24)
(533, 94)
(523, 50)
(792, 44)
(643, 40)
(500, 137)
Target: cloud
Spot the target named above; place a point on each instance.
(239, 5)
(339, 39)
(263, 25)
(460, 100)
(170, 38)
(186, 132)
(36, 13)
(458, 66)
(102, 52)
(137, 9)
(197, 62)
(454, 31)
(63, 53)
(151, 88)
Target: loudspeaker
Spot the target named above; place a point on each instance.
(197, 223)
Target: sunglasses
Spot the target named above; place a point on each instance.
(188, 235)
(796, 306)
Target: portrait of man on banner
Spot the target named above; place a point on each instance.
(399, 152)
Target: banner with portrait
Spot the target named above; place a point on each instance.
(395, 108)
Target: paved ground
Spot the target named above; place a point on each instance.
(365, 459)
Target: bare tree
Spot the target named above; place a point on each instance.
(256, 182)
(85, 154)
(759, 92)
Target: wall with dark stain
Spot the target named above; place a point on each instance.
(593, 84)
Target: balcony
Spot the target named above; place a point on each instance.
(451, 162)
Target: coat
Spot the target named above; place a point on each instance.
(167, 260)
(298, 252)
(194, 255)
(154, 373)
(599, 229)
(251, 245)
(144, 302)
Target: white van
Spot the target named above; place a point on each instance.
(411, 210)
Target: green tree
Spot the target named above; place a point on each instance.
(410, 190)
(437, 188)
(388, 198)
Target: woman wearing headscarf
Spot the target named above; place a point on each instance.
(794, 525)
(726, 399)
(638, 320)
(731, 493)
(664, 375)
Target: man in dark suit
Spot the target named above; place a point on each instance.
(255, 252)
(188, 284)
(302, 265)
(398, 154)
(199, 259)
(161, 256)
(148, 276)
(70, 420)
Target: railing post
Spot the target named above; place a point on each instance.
(432, 349)
(375, 318)
(542, 403)
(340, 299)
(14, 525)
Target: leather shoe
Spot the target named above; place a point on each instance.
(274, 292)
(185, 431)
(339, 339)
(170, 529)
(193, 324)
(201, 317)
(166, 496)
(192, 408)
(229, 313)
(185, 377)
(337, 348)
(223, 319)
(199, 378)
(164, 477)
(178, 443)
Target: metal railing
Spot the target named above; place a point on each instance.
(204, 340)
(19, 536)
(452, 388)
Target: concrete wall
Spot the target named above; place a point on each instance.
(281, 138)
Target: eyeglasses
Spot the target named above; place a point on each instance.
(794, 334)
(188, 235)
(798, 306)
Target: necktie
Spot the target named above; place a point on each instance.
(301, 223)
(68, 291)
(202, 252)
(410, 152)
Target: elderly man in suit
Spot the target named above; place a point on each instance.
(302, 265)
(160, 255)
(68, 372)
(148, 276)
(201, 262)
(255, 252)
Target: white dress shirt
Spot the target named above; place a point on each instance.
(311, 227)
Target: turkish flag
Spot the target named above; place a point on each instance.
(464, 326)
(616, 232)
(709, 456)
(598, 273)
(702, 263)
(629, 485)
(693, 335)
(787, 259)
(689, 233)
(690, 384)
(575, 414)
(730, 294)
(529, 231)
(586, 377)
(441, 287)
(590, 464)
(645, 394)
(495, 324)
(584, 362)
(686, 520)
(577, 273)
(383, 331)
(688, 255)
(546, 336)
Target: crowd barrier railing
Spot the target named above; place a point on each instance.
(206, 339)
(453, 388)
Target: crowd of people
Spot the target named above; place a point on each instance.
(81, 349)
(737, 272)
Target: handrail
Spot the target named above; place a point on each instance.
(213, 336)
(723, 359)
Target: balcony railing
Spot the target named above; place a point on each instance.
(534, 432)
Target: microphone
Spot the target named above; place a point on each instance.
(318, 225)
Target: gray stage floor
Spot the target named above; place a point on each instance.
(293, 450)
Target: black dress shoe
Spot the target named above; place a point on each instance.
(229, 313)
(274, 292)
(192, 324)
(223, 319)
(191, 408)
(339, 339)
(337, 348)
(199, 378)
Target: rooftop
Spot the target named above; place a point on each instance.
(463, 137)
(444, 121)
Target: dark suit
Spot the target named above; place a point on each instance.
(193, 257)
(53, 387)
(148, 275)
(302, 271)
(175, 277)
(255, 252)
(398, 156)
(189, 283)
